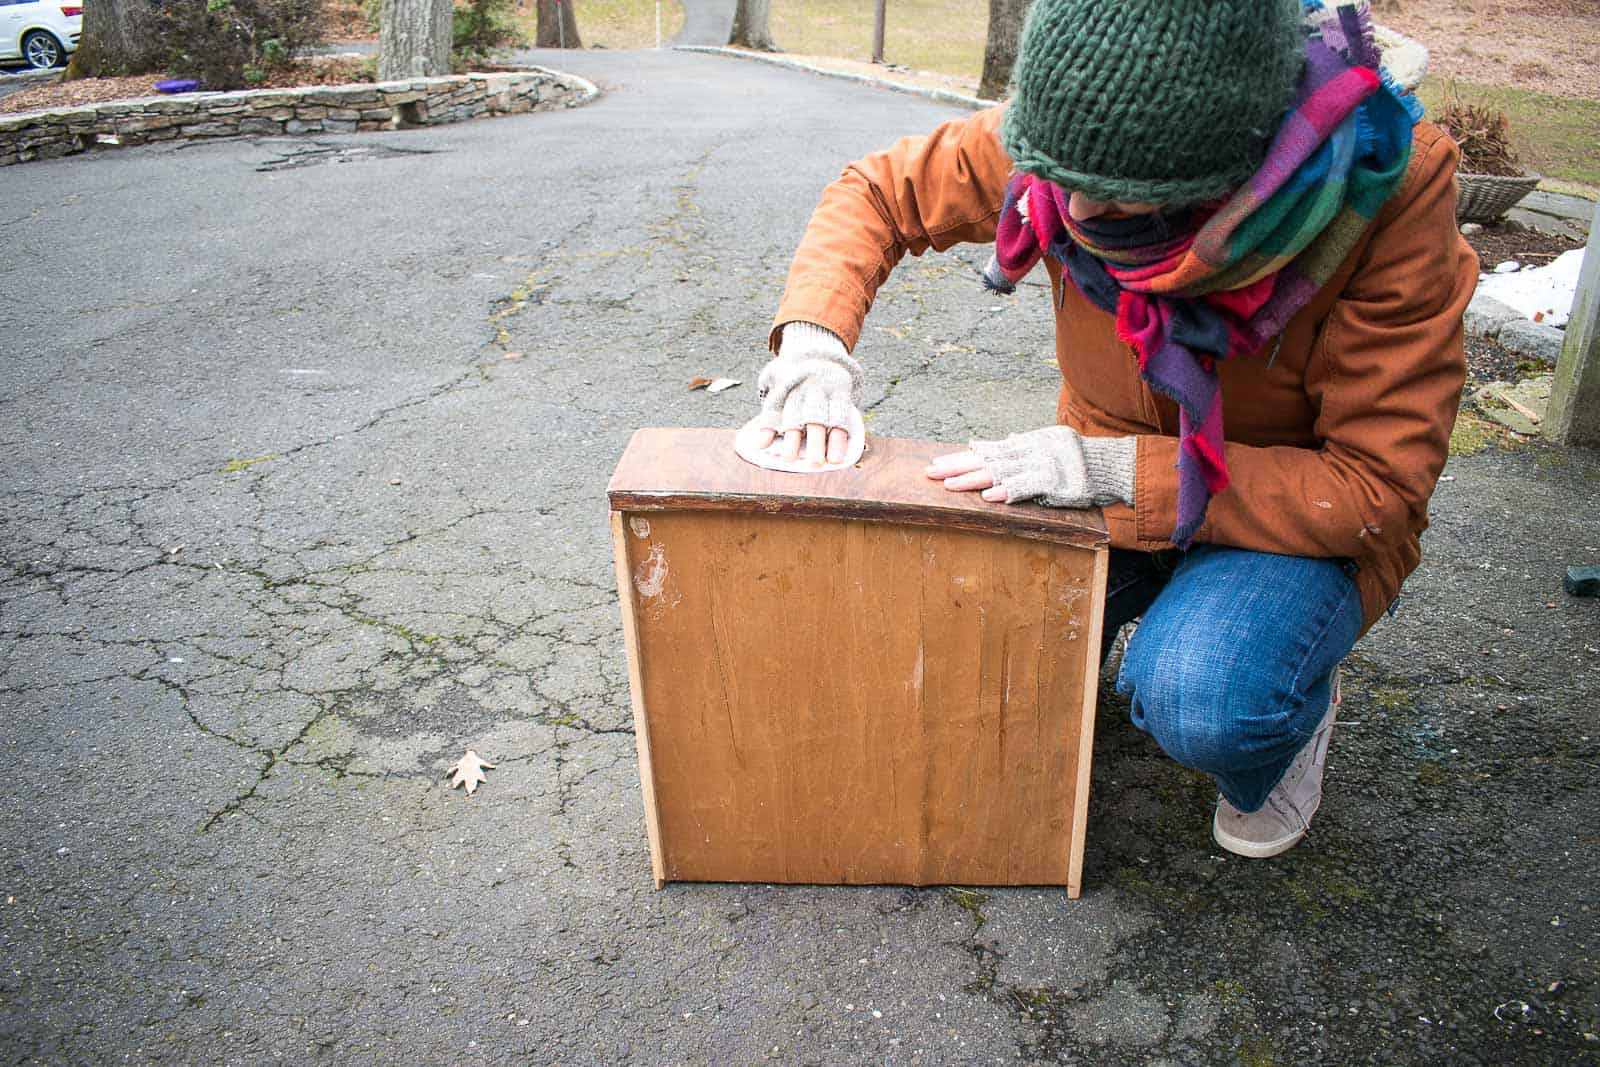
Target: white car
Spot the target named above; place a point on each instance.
(41, 33)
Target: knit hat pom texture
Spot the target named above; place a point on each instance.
(1169, 102)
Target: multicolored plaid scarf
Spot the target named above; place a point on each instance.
(1217, 281)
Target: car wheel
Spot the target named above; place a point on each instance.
(41, 50)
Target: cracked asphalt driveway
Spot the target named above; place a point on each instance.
(305, 447)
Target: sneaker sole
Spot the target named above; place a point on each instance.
(1256, 850)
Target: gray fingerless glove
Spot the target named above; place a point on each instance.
(1061, 467)
(811, 380)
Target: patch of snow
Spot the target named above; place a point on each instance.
(1543, 294)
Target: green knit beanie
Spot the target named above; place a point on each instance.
(1156, 101)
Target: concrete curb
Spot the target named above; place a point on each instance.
(942, 96)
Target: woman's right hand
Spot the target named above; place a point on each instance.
(808, 395)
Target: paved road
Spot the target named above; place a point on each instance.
(286, 528)
(706, 22)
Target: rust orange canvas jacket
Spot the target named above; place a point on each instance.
(1334, 445)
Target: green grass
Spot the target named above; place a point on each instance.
(1553, 136)
(944, 36)
(1471, 435)
(617, 23)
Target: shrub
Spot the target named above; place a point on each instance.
(482, 28)
(1484, 135)
(230, 44)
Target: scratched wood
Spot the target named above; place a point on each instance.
(696, 470)
(853, 700)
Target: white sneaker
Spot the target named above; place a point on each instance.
(1283, 820)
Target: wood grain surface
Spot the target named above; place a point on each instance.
(698, 470)
(838, 701)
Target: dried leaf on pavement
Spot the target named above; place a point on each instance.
(468, 771)
(714, 385)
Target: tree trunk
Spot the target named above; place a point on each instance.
(558, 25)
(1000, 52)
(119, 37)
(750, 26)
(414, 39)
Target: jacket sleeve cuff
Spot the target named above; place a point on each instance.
(1148, 524)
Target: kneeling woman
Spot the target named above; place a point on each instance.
(1258, 282)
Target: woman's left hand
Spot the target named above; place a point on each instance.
(962, 472)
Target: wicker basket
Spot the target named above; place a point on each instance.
(1486, 197)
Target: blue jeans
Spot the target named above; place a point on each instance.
(1230, 669)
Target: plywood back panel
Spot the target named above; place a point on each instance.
(845, 700)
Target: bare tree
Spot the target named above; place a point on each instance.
(1000, 51)
(750, 28)
(414, 39)
(558, 25)
(119, 37)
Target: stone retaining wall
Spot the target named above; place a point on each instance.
(275, 112)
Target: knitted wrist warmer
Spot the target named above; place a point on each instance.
(811, 380)
(1061, 467)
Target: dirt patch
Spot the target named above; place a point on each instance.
(1498, 243)
(1548, 46)
(319, 70)
(345, 20)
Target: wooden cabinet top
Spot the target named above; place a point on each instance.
(674, 469)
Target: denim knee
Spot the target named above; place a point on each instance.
(1214, 716)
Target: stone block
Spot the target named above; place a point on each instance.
(258, 124)
(138, 123)
(276, 114)
(1485, 316)
(1533, 339)
(211, 129)
(167, 134)
(175, 106)
(310, 113)
(297, 126)
(222, 111)
(339, 125)
(343, 113)
(373, 125)
(409, 96)
(376, 114)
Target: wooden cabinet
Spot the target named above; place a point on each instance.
(857, 676)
